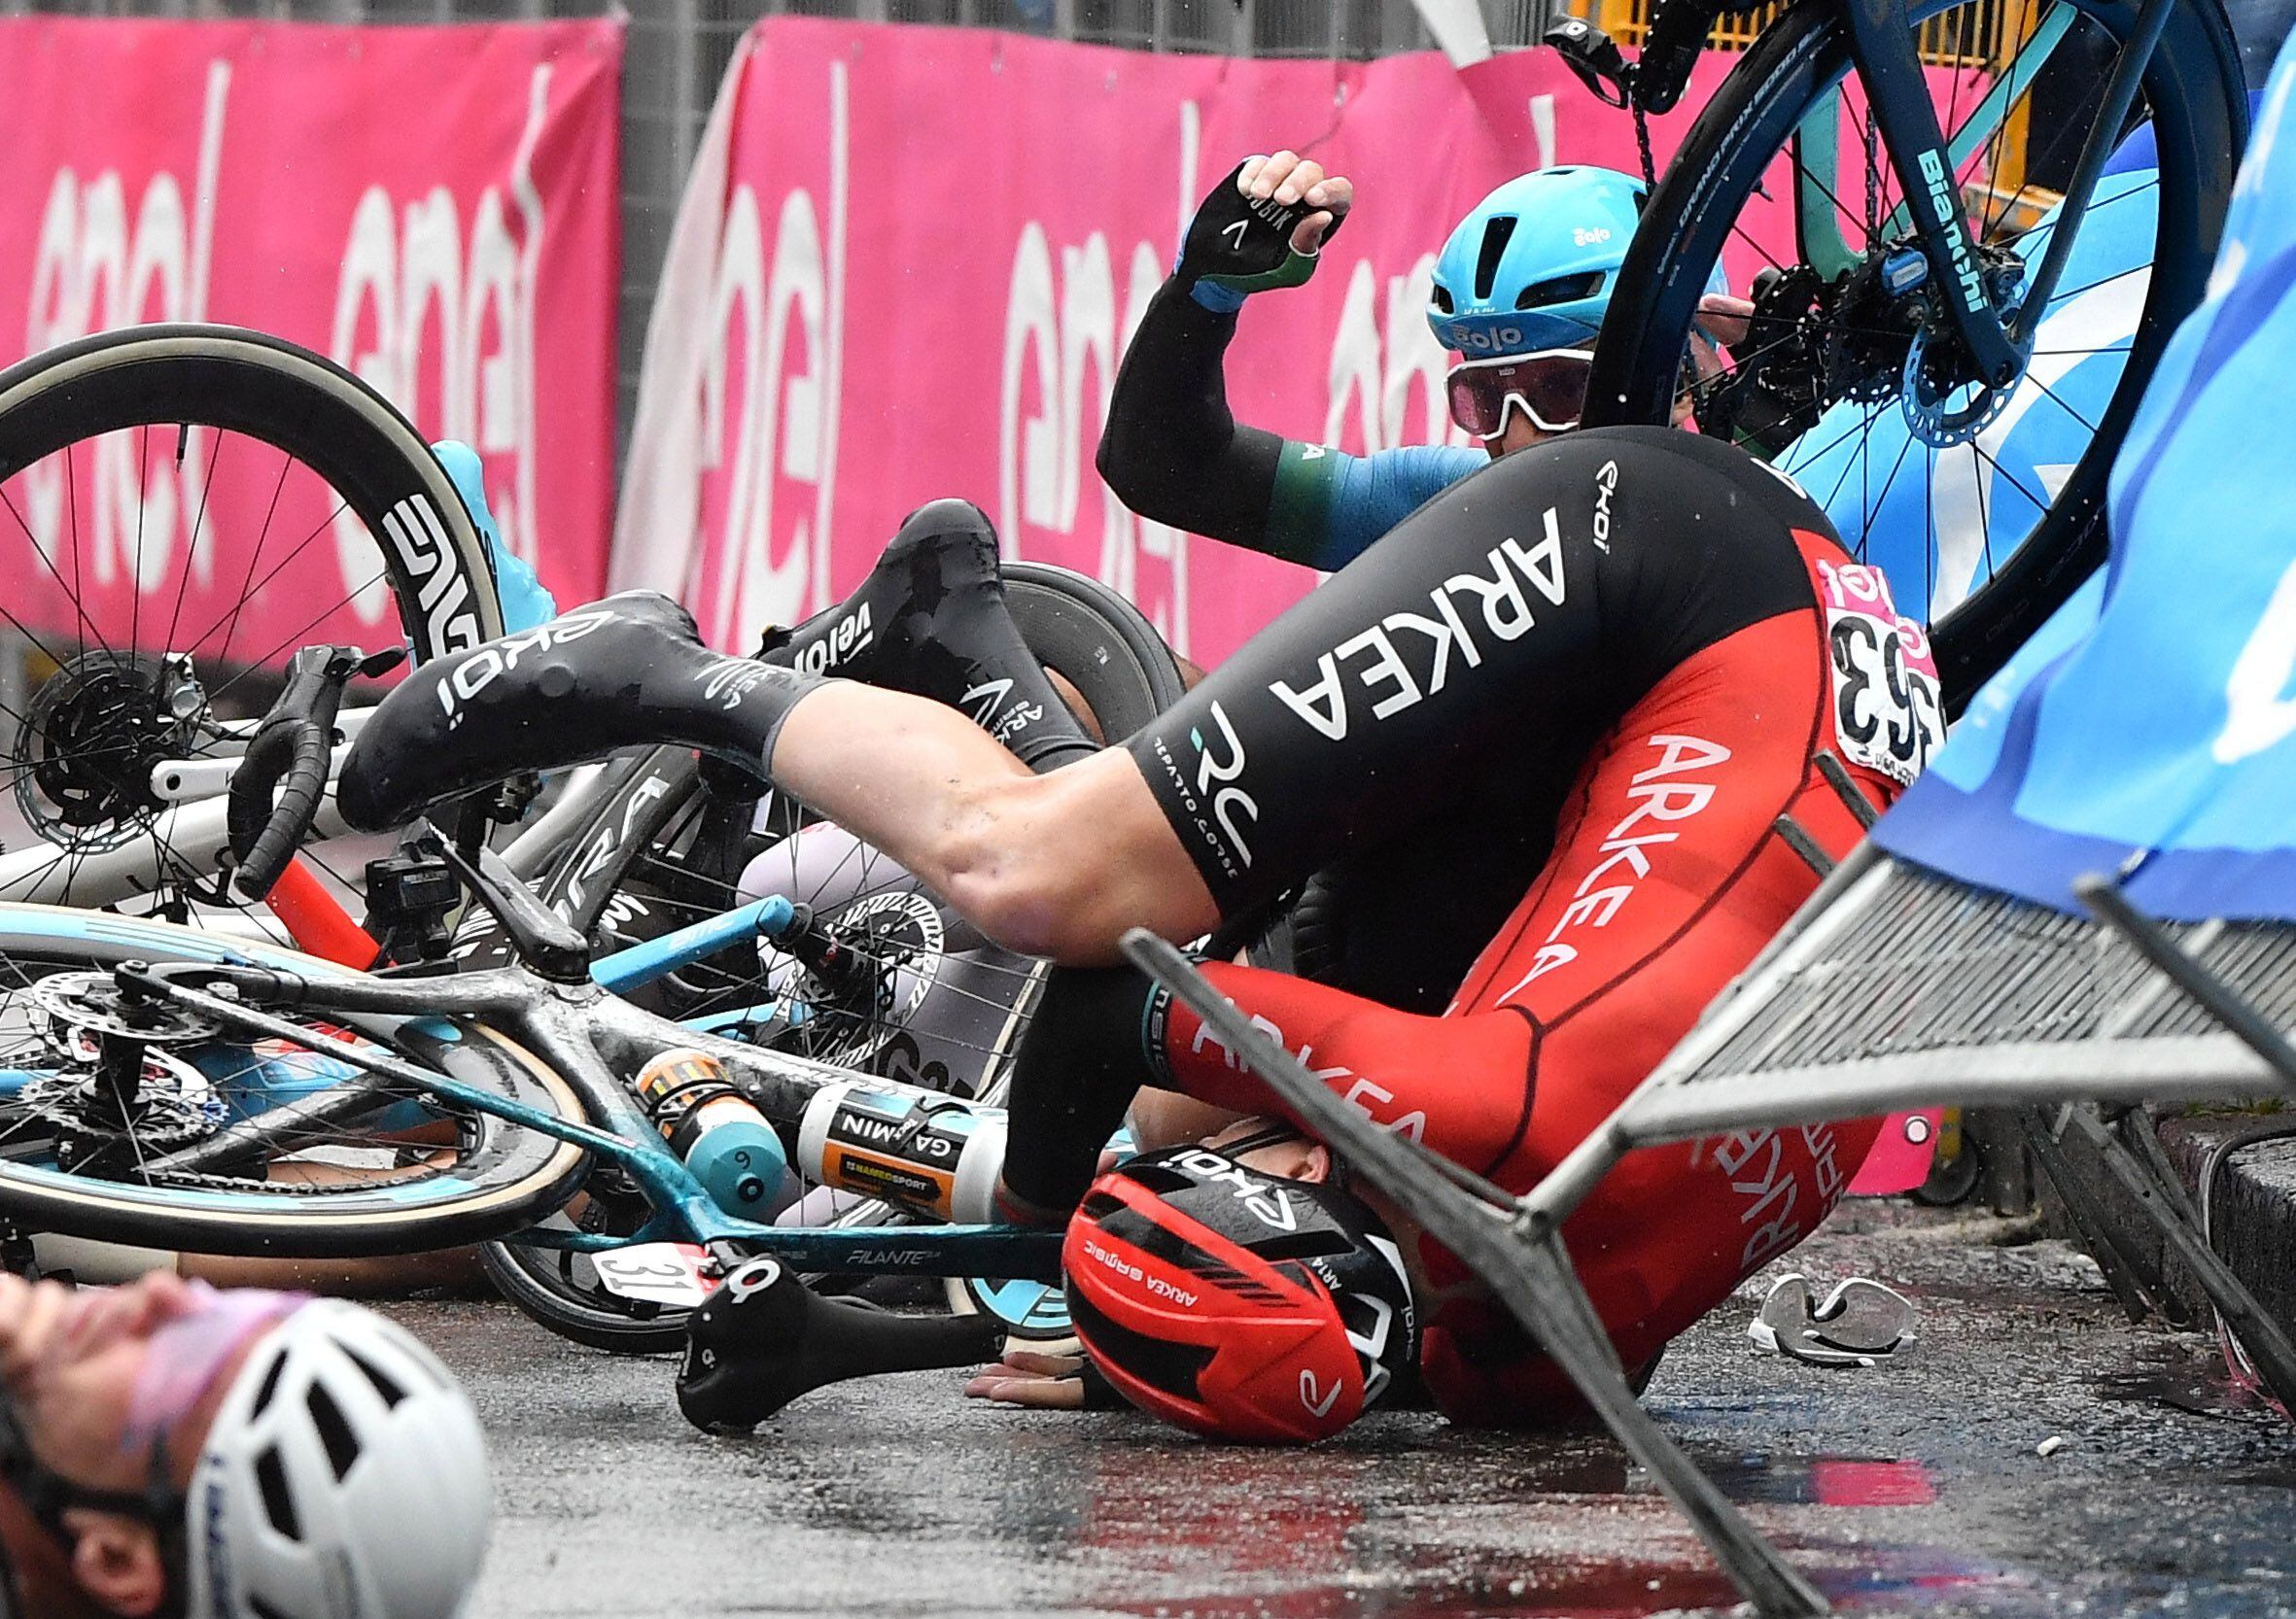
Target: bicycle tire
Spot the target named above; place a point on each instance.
(1076, 625)
(521, 1175)
(428, 551)
(2199, 106)
(294, 400)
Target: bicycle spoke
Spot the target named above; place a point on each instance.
(198, 519)
(143, 483)
(72, 595)
(254, 560)
(283, 563)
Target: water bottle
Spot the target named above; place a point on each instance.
(933, 1155)
(720, 1133)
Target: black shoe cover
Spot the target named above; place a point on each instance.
(628, 672)
(931, 620)
(764, 1338)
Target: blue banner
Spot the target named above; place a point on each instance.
(2150, 728)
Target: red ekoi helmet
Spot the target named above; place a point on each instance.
(1237, 1304)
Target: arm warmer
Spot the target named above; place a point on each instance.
(1170, 450)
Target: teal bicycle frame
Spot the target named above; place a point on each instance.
(589, 1038)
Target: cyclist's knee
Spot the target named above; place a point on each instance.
(1061, 865)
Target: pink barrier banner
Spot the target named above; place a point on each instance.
(433, 208)
(910, 259)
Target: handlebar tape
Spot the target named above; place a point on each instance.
(295, 741)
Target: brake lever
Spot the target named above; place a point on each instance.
(379, 662)
(1595, 57)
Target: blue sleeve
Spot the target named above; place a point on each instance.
(1330, 505)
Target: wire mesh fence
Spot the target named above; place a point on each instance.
(677, 50)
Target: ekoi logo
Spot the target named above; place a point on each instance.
(1605, 485)
(1266, 1200)
(459, 685)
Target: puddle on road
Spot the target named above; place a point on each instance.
(1531, 1568)
(2198, 1382)
(1800, 1480)
(1514, 1586)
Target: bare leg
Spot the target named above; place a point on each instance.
(1054, 865)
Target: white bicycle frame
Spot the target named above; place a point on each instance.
(193, 835)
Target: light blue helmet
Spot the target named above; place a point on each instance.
(1532, 265)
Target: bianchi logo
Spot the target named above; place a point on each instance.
(1965, 279)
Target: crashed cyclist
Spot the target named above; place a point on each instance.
(1641, 637)
(1517, 292)
(170, 1448)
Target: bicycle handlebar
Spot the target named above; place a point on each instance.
(296, 741)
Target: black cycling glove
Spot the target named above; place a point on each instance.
(1242, 245)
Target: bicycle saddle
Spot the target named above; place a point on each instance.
(765, 1337)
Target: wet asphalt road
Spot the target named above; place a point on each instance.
(1913, 1487)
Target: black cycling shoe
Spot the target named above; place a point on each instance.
(631, 672)
(764, 1338)
(628, 672)
(931, 619)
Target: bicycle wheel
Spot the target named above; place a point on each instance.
(98, 1099)
(947, 1008)
(186, 505)
(1984, 508)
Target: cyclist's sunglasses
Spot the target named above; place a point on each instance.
(1549, 387)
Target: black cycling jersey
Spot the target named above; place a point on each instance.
(1416, 730)
(1490, 638)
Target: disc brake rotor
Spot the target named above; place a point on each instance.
(82, 757)
(94, 1003)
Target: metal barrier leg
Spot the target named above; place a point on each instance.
(1543, 1292)
(2138, 1293)
(2260, 1335)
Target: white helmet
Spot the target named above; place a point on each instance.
(345, 1474)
